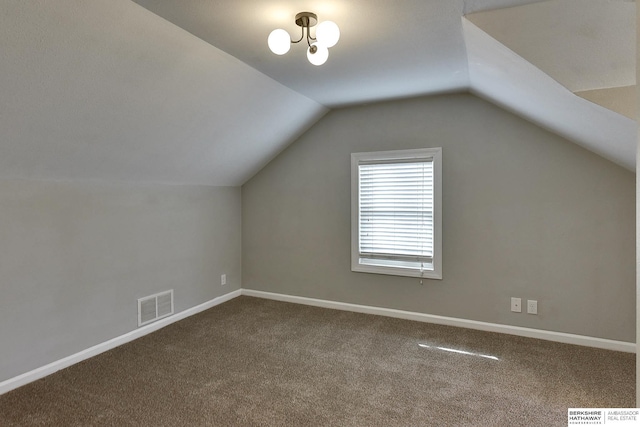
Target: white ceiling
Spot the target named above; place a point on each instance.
(109, 90)
(504, 78)
(106, 90)
(387, 49)
(619, 99)
(582, 44)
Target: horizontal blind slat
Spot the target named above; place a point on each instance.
(396, 209)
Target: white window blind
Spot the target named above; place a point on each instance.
(397, 212)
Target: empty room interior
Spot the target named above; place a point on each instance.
(383, 213)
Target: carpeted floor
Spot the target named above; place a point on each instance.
(253, 362)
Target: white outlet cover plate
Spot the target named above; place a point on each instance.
(516, 305)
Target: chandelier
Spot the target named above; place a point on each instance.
(327, 35)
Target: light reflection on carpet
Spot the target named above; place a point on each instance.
(451, 350)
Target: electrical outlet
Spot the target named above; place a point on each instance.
(516, 305)
(223, 279)
(532, 306)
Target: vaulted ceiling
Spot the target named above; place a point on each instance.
(186, 91)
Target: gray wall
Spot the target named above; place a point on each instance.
(526, 214)
(74, 258)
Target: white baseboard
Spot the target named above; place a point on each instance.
(43, 371)
(36, 374)
(562, 337)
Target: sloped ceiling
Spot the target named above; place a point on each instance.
(619, 99)
(387, 49)
(586, 45)
(583, 44)
(186, 91)
(502, 77)
(106, 90)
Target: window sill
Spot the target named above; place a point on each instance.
(396, 271)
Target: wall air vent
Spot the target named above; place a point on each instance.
(155, 307)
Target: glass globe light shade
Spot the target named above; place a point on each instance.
(279, 41)
(328, 33)
(320, 56)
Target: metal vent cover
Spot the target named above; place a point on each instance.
(155, 307)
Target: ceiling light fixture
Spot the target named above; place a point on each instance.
(327, 35)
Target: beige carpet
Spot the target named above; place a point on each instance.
(253, 362)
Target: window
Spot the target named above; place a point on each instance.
(396, 212)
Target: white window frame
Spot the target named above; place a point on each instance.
(434, 154)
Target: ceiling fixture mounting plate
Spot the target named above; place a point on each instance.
(306, 19)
